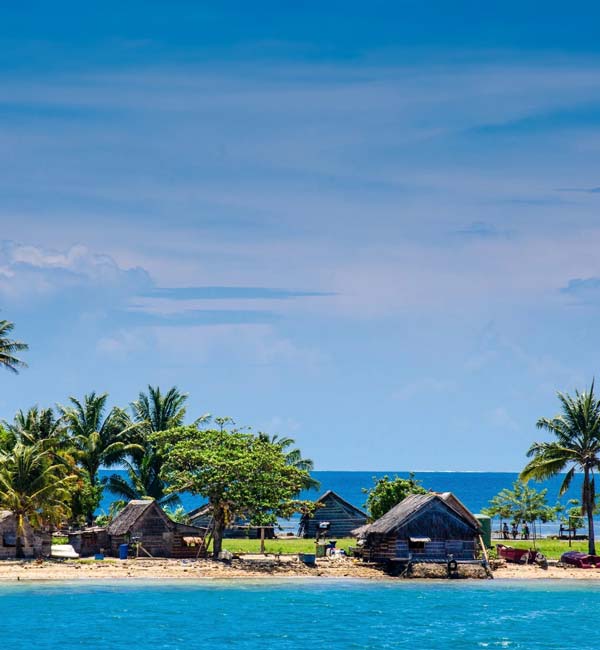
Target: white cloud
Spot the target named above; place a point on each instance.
(29, 273)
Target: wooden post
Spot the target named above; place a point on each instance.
(486, 558)
(262, 540)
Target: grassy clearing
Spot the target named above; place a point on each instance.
(551, 548)
(280, 546)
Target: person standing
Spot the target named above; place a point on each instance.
(515, 530)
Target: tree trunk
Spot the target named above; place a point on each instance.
(218, 530)
(262, 540)
(589, 500)
(19, 554)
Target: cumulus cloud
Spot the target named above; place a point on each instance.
(30, 273)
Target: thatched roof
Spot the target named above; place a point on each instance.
(402, 513)
(5, 514)
(202, 511)
(126, 519)
(337, 497)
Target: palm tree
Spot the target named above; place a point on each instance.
(294, 458)
(143, 481)
(37, 425)
(577, 446)
(98, 440)
(157, 412)
(33, 488)
(8, 348)
(152, 412)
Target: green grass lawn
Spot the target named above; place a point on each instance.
(551, 548)
(280, 546)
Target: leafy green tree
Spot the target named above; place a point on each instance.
(571, 516)
(239, 474)
(178, 514)
(33, 487)
(576, 446)
(522, 503)
(98, 440)
(388, 492)
(9, 348)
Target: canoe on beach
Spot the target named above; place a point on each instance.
(518, 555)
(581, 560)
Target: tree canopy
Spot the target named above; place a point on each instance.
(239, 473)
(9, 348)
(521, 503)
(388, 492)
(576, 446)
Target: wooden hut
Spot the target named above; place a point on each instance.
(144, 522)
(240, 529)
(90, 541)
(341, 516)
(422, 528)
(35, 543)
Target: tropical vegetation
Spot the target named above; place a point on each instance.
(9, 348)
(388, 492)
(240, 474)
(575, 447)
(523, 504)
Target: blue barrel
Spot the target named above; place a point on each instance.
(123, 551)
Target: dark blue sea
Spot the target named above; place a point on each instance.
(474, 489)
(327, 614)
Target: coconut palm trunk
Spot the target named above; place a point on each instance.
(20, 534)
(589, 501)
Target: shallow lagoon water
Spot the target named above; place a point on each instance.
(300, 614)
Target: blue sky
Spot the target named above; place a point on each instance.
(370, 226)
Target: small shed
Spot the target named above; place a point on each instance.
(239, 529)
(90, 541)
(341, 515)
(423, 527)
(35, 543)
(143, 521)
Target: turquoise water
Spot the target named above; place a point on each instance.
(316, 615)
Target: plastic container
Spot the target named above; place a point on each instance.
(486, 529)
(123, 551)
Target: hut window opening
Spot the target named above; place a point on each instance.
(9, 539)
(417, 544)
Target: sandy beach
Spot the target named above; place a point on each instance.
(166, 569)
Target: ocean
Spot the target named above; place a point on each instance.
(474, 489)
(288, 615)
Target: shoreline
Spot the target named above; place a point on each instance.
(207, 571)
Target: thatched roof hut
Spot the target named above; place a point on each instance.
(240, 528)
(332, 509)
(143, 521)
(426, 527)
(35, 543)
